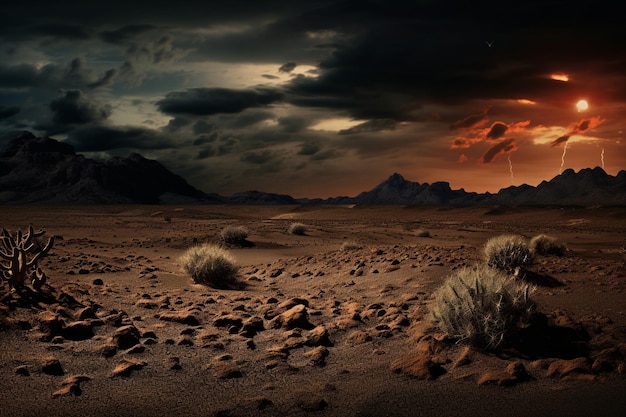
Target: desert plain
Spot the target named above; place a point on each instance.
(331, 323)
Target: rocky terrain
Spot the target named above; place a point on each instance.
(332, 323)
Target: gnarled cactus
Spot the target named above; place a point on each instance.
(22, 255)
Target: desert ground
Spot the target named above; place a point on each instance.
(121, 330)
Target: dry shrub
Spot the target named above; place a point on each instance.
(482, 306)
(350, 245)
(234, 234)
(297, 229)
(546, 245)
(506, 252)
(210, 265)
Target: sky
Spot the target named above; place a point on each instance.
(323, 98)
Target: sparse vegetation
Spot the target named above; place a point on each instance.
(546, 245)
(507, 252)
(422, 233)
(350, 245)
(210, 265)
(297, 229)
(234, 234)
(482, 306)
(23, 251)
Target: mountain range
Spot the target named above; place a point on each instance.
(37, 170)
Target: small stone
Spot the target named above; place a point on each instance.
(72, 389)
(184, 317)
(138, 348)
(125, 367)
(108, 350)
(52, 366)
(126, 337)
(78, 330)
(419, 366)
(227, 370)
(22, 370)
(174, 363)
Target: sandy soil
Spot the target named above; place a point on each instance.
(122, 331)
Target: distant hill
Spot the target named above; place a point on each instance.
(587, 187)
(43, 170)
(46, 171)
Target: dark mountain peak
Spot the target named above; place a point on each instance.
(395, 180)
(36, 169)
(29, 144)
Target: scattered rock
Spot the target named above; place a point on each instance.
(318, 337)
(310, 401)
(126, 337)
(419, 366)
(358, 337)
(184, 317)
(125, 367)
(108, 350)
(68, 390)
(22, 370)
(227, 370)
(318, 355)
(514, 373)
(78, 330)
(295, 317)
(52, 366)
(173, 363)
(561, 368)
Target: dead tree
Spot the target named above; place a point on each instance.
(22, 253)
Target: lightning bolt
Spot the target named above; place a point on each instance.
(563, 158)
(602, 158)
(510, 167)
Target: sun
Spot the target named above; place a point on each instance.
(582, 105)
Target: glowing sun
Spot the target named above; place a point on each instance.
(582, 105)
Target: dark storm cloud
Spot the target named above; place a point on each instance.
(8, 111)
(506, 146)
(177, 123)
(208, 101)
(105, 138)
(292, 124)
(497, 130)
(309, 148)
(74, 74)
(287, 67)
(257, 157)
(125, 34)
(73, 108)
(247, 118)
(105, 81)
(470, 121)
(559, 140)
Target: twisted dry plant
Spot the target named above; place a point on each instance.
(22, 252)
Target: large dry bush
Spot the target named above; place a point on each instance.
(234, 234)
(546, 245)
(210, 265)
(482, 306)
(507, 252)
(297, 229)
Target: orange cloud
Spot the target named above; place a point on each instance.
(578, 128)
